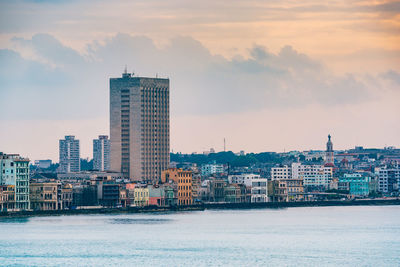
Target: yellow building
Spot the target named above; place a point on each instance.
(45, 196)
(141, 196)
(7, 197)
(184, 183)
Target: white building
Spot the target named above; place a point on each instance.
(283, 172)
(312, 175)
(245, 179)
(101, 153)
(69, 155)
(388, 178)
(209, 169)
(259, 190)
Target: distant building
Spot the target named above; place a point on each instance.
(69, 155)
(210, 169)
(282, 172)
(139, 127)
(14, 172)
(313, 175)
(101, 153)
(246, 178)
(43, 163)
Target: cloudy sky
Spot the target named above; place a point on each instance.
(266, 75)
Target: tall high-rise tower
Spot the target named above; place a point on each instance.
(69, 155)
(139, 127)
(101, 153)
(329, 152)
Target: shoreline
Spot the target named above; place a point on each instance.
(201, 207)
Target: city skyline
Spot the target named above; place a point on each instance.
(234, 72)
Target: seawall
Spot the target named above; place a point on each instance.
(212, 206)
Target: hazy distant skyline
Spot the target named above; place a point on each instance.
(269, 76)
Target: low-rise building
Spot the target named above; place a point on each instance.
(7, 197)
(45, 196)
(259, 190)
(141, 195)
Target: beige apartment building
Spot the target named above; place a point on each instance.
(139, 127)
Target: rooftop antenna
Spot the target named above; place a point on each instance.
(126, 69)
(156, 75)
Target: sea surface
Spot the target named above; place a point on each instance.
(311, 236)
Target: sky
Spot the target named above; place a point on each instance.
(264, 75)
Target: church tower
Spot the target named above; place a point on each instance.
(329, 153)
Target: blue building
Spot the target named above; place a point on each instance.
(355, 183)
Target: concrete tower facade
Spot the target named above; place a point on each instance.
(69, 155)
(139, 127)
(101, 153)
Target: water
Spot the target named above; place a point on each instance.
(318, 236)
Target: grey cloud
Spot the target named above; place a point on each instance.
(201, 83)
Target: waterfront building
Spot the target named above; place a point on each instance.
(259, 190)
(66, 196)
(45, 196)
(212, 168)
(156, 195)
(245, 178)
(329, 160)
(286, 190)
(139, 127)
(69, 155)
(281, 172)
(184, 184)
(14, 170)
(141, 195)
(101, 153)
(233, 194)
(356, 183)
(388, 178)
(7, 197)
(216, 190)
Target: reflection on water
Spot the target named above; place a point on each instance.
(14, 220)
(139, 221)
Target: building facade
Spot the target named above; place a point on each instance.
(183, 183)
(101, 153)
(210, 169)
(388, 178)
(313, 175)
(69, 155)
(139, 126)
(259, 190)
(14, 171)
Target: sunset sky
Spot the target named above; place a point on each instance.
(265, 75)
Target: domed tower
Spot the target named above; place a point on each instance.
(329, 153)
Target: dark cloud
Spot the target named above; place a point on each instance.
(74, 85)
